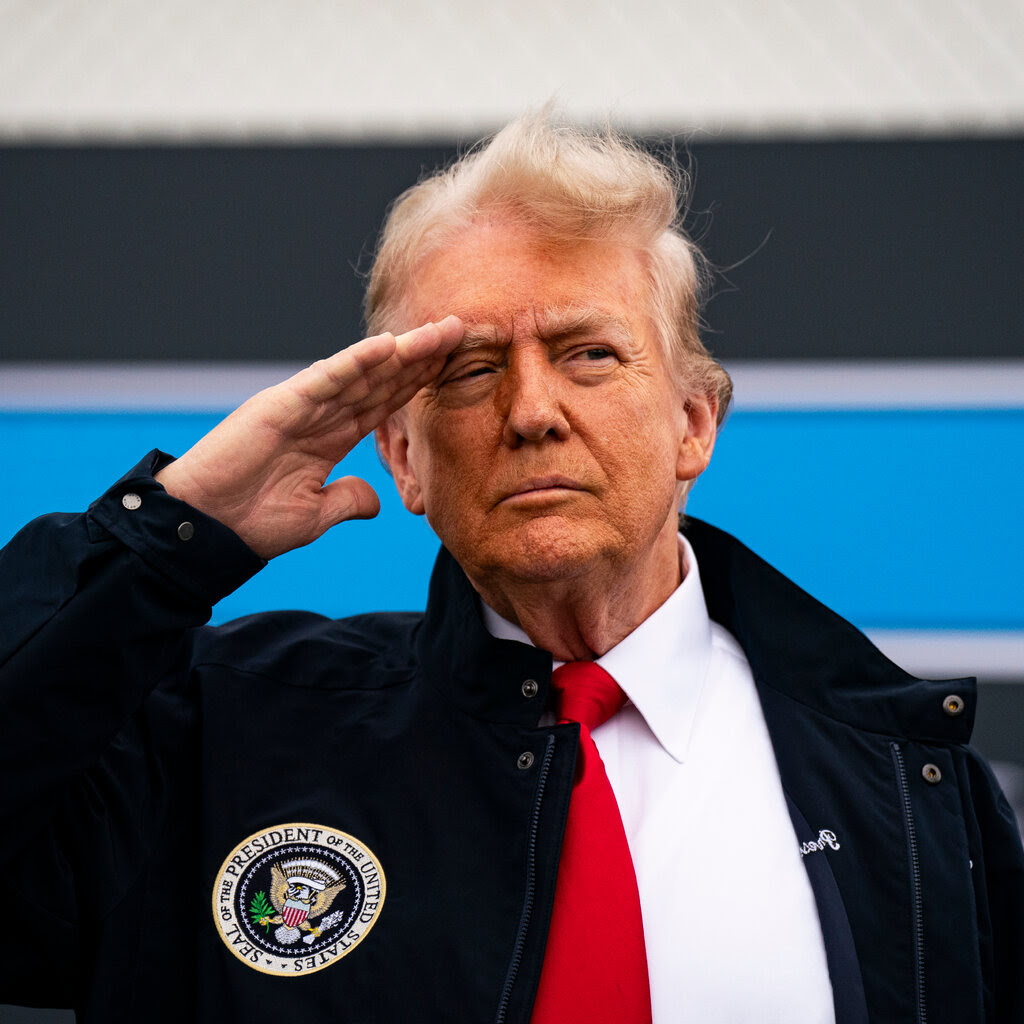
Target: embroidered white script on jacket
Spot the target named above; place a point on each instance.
(826, 837)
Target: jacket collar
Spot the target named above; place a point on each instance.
(482, 675)
(662, 664)
(795, 645)
(803, 650)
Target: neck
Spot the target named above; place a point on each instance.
(582, 617)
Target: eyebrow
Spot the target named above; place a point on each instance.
(477, 336)
(560, 321)
(552, 323)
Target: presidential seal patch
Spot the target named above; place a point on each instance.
(296, 898)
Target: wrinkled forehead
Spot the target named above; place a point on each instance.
(547, 323)
(497, 274)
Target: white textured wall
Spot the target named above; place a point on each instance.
(425, 68)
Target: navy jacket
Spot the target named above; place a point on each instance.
(156, 771)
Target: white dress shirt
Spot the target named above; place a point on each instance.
(730, 921)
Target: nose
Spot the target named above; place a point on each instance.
(533, 401)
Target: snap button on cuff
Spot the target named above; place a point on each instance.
(186, 531)
(953, 705)
(930, 773)
(525, 761)
(529, 688)
(131, 502)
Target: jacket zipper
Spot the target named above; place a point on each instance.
(531, 885)
(917, 903)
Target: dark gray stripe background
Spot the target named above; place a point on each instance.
(838, 249)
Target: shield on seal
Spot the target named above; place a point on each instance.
(294, 912)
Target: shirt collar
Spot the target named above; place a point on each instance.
(662, 664)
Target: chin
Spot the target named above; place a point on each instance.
(547, 550)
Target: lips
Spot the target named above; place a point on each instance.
(540, 484)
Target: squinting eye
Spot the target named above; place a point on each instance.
(469, 374)
(597, 353)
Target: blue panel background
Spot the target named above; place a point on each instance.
(897, 519)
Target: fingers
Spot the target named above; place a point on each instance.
(376, 364)
(421, 355)
(327, 378)
(430, 340)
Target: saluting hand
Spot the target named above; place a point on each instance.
(263, 470)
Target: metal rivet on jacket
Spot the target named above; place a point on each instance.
(931, 773)
(525, 760)
(530, 688)
(953, 705)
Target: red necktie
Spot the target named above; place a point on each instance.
(595, 964)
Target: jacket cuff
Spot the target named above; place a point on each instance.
(199, 553)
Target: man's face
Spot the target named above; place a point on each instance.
(554, 441)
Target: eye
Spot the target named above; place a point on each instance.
(590, 362)
(468, 372)
(590, 354)
(472, 371)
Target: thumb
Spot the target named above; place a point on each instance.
(348, 498)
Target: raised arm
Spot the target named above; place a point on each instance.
(97, 609)
(263, 470)
(99, 708)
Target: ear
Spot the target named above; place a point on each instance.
(699, 433)
(393, 447)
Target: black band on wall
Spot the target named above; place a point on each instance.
(839, 249)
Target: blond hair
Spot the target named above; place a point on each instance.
(572, 185)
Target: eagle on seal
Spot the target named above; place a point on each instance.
(301, 891)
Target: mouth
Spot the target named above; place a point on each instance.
(541, 488)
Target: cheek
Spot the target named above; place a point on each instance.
(459, 440)
(645, 453)
(433, 440)
(644, 436)
(448, 474)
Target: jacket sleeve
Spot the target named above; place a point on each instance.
(999, 892)
(97, 612)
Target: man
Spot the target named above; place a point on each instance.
(811, 838)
